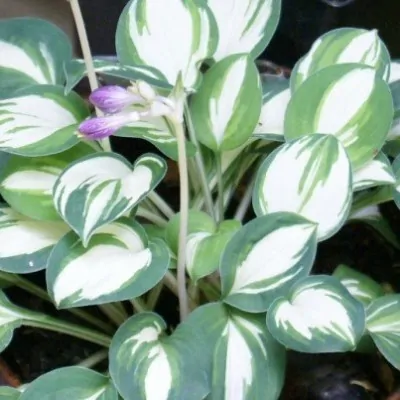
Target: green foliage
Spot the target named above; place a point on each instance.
(314, 153)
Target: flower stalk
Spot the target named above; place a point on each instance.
(87, 56)
(183, 221)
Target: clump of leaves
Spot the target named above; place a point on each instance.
(317, 149)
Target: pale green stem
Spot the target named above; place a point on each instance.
(220, 197)
(42, 294)
(53, 324)
(138, 305)
(154, 295)
(113, 313)
(94, 359)
(171, 283)
(245, 202)
(200, 163)
(183, 221)
(151, 217)
(161, 204)
(87, 56)
(194, 176)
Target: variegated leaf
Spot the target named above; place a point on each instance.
(396, 189)
(254, 22)
(158, 132)
(75, 71)
(29, 242)
(26, 184)
(147, 365)
(71, 383)
(317, 315)
(226, 109)
(204, 249)
(198, 221)
(374, 173)
(359, 285)
(383, 324)
(248, 363)
(99, 188)
(264, 258)
(343, 46)
(348, 101)
(118, 264)
(172, 37)
(40, 121)
(394, 71)
(205, 241)
(372, 216)
(310, 176)
(33, 51)
(394, 132)
(276, 96)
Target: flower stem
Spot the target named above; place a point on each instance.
(138, 305)
(161, 204)
(53, 324)
(150, 216)
(94, 359)
(220, 197)
(245, 202)
(154, 295)
(183, 221)
(87, 56)
(113, 313)
(37, 291)
(200, 163)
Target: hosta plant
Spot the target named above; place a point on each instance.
(312, 153)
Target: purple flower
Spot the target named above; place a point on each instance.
(102, 127)
(112, 99)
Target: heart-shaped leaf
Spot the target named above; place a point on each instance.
(204, 249)
(255, 22)
(226, 109)
(349, 101)
(276, 96)
(310, 176)
(317, 315)
(374, 173)
(163, 367)
(205, 241)
(118, 264)
(99, 188)
(33, 51)
(158, 132)
(248, 363)
(184, 32)
(359, 285)
(29, 242)
(343, 46)
(71, 383)
(26, 183)
(40, 121)
(383, 324)
(264, 258)
(75, 71)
